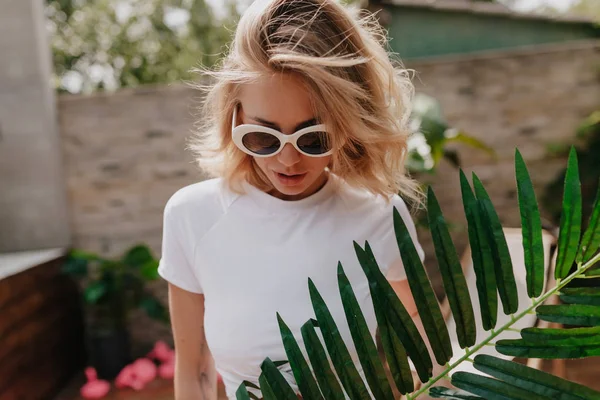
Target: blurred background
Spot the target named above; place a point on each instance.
(96, 106)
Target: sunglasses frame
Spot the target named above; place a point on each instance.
(238, 133)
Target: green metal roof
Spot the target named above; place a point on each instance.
(421, 28)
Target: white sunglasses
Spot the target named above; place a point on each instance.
(260, 141)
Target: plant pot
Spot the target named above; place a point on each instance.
(109, 351)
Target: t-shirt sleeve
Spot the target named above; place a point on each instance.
(176, 263)
(396, 270)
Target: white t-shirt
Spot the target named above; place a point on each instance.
(251, 256)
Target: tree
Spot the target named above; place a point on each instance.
(107, 44)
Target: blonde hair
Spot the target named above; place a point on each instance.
(355, 89)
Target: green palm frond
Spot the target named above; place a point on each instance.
(576, 257)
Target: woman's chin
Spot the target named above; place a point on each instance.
(291, 187)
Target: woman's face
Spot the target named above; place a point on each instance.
(282, 102)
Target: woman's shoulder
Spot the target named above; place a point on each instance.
(209, 197)
(361, 200)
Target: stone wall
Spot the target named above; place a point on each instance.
(124, 153)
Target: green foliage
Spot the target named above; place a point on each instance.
(112, 288)
(107, 44)
(432, 135)
(401, 339)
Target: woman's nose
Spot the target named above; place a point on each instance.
(289, 155)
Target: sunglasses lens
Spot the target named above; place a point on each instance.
(261, 143)
(314, 143)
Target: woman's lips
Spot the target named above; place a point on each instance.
(290, 179)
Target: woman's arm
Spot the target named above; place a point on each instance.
(195, 374)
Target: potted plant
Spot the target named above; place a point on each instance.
(111, 289)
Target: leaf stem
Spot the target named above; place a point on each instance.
(540, 300)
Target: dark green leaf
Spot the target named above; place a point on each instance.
(149, 270)
(242, 393)
(591, 238)
(363, 341)
(328, 383)
(592, 272)
(531, 225)
(481, 253)
(505, 278)
(397, 358)
(399, 319)
(265, 388)
(453, 278)
(541, 334)
(491, 389)
(280, 388)
(84, 255)
(423, 294)
(340, 356)
(452, 394)
(579, 347)
(250, 384)
(76, 267)
(138, 256)
(570, 314)
(280, 363)
(570, 221)
(154, 308)
(393, 349)
(304, 378)
(533, 380)
(95, 291)
(583, 295)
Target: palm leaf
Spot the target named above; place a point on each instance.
(342, 361)
(505, 278)
(572, 347)
(328, 383)
(570, 314)
(306, 382)
(531, 379)
(394, 351)
(453, 278)
(543, 334)
(531, 224)
(591, 238)
(429, 309)
(490, 388)
(276, 382)
(481, 253)
(570, 221)
(265, 388)
(363, 341)
(242, 393)
(400, 320)
(452, 394)
(583, 295)
(493, 270)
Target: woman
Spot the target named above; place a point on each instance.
(305, 135)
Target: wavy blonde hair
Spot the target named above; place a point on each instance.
(356, 89)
